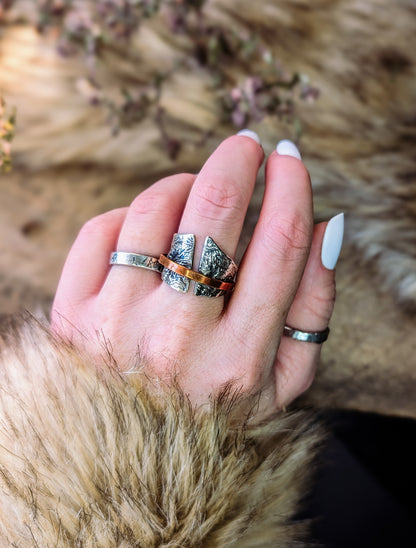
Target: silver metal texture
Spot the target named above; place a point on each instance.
(317, 337)
(182, 252)
(135, 259)
(214, 263)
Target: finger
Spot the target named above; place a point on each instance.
(311, 310)
(219, 198)
(275, 259)
(151, 220)
(86, 266)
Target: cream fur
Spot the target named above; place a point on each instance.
(91, 459)
(359, 136)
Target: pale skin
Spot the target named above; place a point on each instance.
(205, 343)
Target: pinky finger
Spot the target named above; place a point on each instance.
(311, 311)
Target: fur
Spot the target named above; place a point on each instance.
(90, 458)
(359, 136)
(358, 144)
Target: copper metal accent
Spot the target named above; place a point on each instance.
(181, 252)
(195, 276)
(214, 264)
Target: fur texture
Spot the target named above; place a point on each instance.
(358, 144)
(360, 135)
(89, 458)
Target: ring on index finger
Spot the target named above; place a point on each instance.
(135, 259)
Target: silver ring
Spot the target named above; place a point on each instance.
(317, 337)
(135, 259)
(214, 266)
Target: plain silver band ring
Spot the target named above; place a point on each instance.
(317, 337)
(135, 259)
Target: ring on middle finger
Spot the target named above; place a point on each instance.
(216, 272)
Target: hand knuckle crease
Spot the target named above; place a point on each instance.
(223, 195)
(151, 204)
(286, 236)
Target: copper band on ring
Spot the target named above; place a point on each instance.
(195, 276)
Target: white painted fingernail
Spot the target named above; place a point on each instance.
(287, 148)
(332, 242)
(251, 134)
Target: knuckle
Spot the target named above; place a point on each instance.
(219, 197)
(288, 238)
(246, 369)
(252, 379)
(320, 304)
(246, 379)
(149, 203)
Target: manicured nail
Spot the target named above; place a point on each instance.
(287, 148)
(251, 134)
(332, 242)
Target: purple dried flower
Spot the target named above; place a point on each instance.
(269, 91)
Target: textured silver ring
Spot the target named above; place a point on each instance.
(214, 267)
(135, 259)
(317, 337)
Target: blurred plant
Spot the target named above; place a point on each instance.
(93, 26)
(7, 127)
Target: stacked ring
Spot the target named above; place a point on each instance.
(195, 276)
(216, 275)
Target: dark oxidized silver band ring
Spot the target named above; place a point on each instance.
(317, 337)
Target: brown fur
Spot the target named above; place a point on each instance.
(89, 458)
(359, 137)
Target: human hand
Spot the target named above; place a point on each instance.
(206, 343)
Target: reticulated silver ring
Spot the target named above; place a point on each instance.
(317, 337)
(135, 259)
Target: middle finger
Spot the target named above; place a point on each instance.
(219, 198)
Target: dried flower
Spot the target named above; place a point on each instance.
(7, 127)
(91, 27)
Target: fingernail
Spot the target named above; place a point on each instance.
(287, 148)
(332, 242)
(251, 134)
